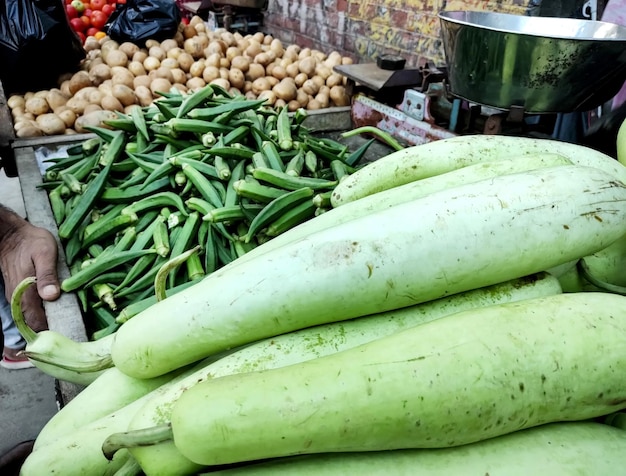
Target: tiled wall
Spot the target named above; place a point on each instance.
(366, 29)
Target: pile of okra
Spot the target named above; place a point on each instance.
(187, 185)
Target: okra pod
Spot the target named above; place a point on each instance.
(110, 261)
(82, 208)
(276, 208)
(202, 185)
(291, 218)
(156, 200)
(289, 182)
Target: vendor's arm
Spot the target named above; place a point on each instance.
(27, 250)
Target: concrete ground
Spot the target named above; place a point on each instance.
(27, 397)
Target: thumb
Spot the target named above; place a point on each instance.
(48, 286)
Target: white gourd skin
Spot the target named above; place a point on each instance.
(164, 459)
(447, 242)
(557, 449)
(621, 143)
(79, 452)
(109, 392)
(405, 193)
(438, 157)
(474, 375)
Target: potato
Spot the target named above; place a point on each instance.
(255, 71)
(307, 65)
(151, 63)
(179, 76)
(259, 85)
(313, 104)
(16, 100)
(169, 63)
(94, 119)
(224, 83)
(338, 96)
(95, 97)
(310, 87)
(99, 73)
(56, 99)
(293, 70)
(185, 60)
(79, 80)
(129, 49)
(174, 53)
(37, 105)
(124, 94)
(91, 44)
(195, 46)
(122, 76)
(163, 72)
(293, 106)
(197, 68)
(140, 56)
(334, 79)
(83, 94)
(116, 58)
(300, 79)
(210, 73)
(143, 80)
(136, 68)
(269, 96)
(236, 78)
(77, 105)
(144, 95)
(263, 59)
(111, 103)
(91, 108)
(157, 52)
(169, 44)
(286, 90)
(51, 124)
(67, 116)
(160, 85)
(29, 131)
(241, 63)
(194, 84)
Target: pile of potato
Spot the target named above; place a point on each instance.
(116, 77)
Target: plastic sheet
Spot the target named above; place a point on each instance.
(140, 20)
(37, 44)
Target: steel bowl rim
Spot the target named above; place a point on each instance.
(443, 16)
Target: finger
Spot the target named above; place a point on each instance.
(47, 279)
(33, 310)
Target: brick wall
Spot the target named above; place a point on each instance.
(366, 29)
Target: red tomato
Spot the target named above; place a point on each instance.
(82, 36)
(71, 12)
(98, 19)
(77, 25)
(121, 2)
(87, 12)
(86, 21)
(97, 4)
(108, 9)
(92, 31)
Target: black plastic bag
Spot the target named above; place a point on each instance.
(37, 45)
(140, 20)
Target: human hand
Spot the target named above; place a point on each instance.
(28, 250)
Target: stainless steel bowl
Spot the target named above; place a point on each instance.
(543, 65)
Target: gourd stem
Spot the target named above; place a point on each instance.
(608, 287)
(16, 310)
(130, 439)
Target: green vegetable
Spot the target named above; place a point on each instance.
(470, 236)
(309, 344)
(55, 354)
(555, 449)
(435, 158)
